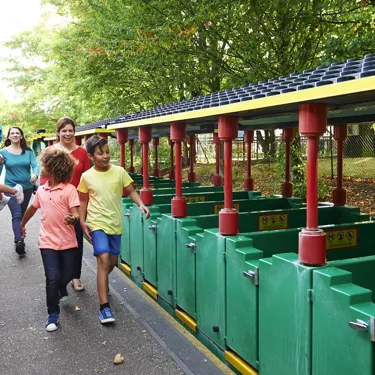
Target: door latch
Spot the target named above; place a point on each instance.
(191, 246)
(252, 275)
(153, 227)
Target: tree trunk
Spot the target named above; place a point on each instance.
(267, 143)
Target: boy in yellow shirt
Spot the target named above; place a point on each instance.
(100, 192)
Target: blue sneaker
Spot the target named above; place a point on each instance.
(53, 322)
(106, 316)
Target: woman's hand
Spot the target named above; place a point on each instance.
(23, 231)
(33, 178)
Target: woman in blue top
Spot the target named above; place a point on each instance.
(19, 159)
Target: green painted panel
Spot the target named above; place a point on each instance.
(284, 316)
(166, 259)
(150, 246)
(210, 285)
(337, 348)
(136, 242)
(242, 298)
(186, 265)
(125, 238)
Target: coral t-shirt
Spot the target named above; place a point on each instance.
(55, 204)
(83, 164)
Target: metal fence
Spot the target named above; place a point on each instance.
(358, 150)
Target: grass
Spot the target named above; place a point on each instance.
(352, 167)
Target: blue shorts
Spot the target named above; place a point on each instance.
(105, 243)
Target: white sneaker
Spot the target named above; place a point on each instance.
(4, 201)
(19, 195)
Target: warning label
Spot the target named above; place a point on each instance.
(272, 222)
(343, 238)
(196, 199)
(220, 206)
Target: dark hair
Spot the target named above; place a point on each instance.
(23, 142)
(58, 163)
(61, 123)
(93, 141)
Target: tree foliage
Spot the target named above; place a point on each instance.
(110, 57)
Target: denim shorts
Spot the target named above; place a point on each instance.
(105, 243)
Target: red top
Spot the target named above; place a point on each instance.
(80, 154)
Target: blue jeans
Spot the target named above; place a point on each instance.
(17, 211)
(58, 268)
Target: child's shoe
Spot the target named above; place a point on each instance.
(106, 316)
(4, 201)
(53, 322)
(19, 195)
(20, 248)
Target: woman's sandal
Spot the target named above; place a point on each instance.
(78, 285)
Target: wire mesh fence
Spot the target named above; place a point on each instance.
(358, 151)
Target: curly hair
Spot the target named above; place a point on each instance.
(23, 142)
(58, 163)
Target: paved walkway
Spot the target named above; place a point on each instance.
(150, 340)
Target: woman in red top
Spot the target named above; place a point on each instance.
(65, 130)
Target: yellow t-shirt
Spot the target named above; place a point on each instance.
(105, 192)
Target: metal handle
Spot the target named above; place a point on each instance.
(359, 325)
(152, 227)
(191, 246)
(126, 214)
(249, 274)
(252, 275)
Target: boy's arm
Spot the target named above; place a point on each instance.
(83, 199)
(137, 200)
(30, 212)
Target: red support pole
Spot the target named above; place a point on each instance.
(287, 186)
(217, 180)
(155, 142)
(122, 138)
(50, 142)
(191, 175)
(86, 137)
(171, 156)
(145, 136)
(78, 140)
(248, 181)
(340, 134)
(228, 217)
(131, 145)
(179, 204)
(312, 241)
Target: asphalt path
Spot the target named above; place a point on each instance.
(149, 340)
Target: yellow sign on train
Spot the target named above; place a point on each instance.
(342, 238)
(196, 199)
(220, 206)
(272, 221)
